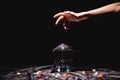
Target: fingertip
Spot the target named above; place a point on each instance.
(65, 28)
(53, 16)
(56, 23)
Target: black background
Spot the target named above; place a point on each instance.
(29, 34)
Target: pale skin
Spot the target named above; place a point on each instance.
(70, 16)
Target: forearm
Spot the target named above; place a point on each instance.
(114, 7)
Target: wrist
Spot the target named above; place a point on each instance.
(84, 15)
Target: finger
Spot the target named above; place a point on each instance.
(57, 15)
(59, 20)
(64, 26)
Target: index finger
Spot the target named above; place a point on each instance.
(58, 14)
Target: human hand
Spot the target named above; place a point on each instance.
(69, 16)
(66, 17)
